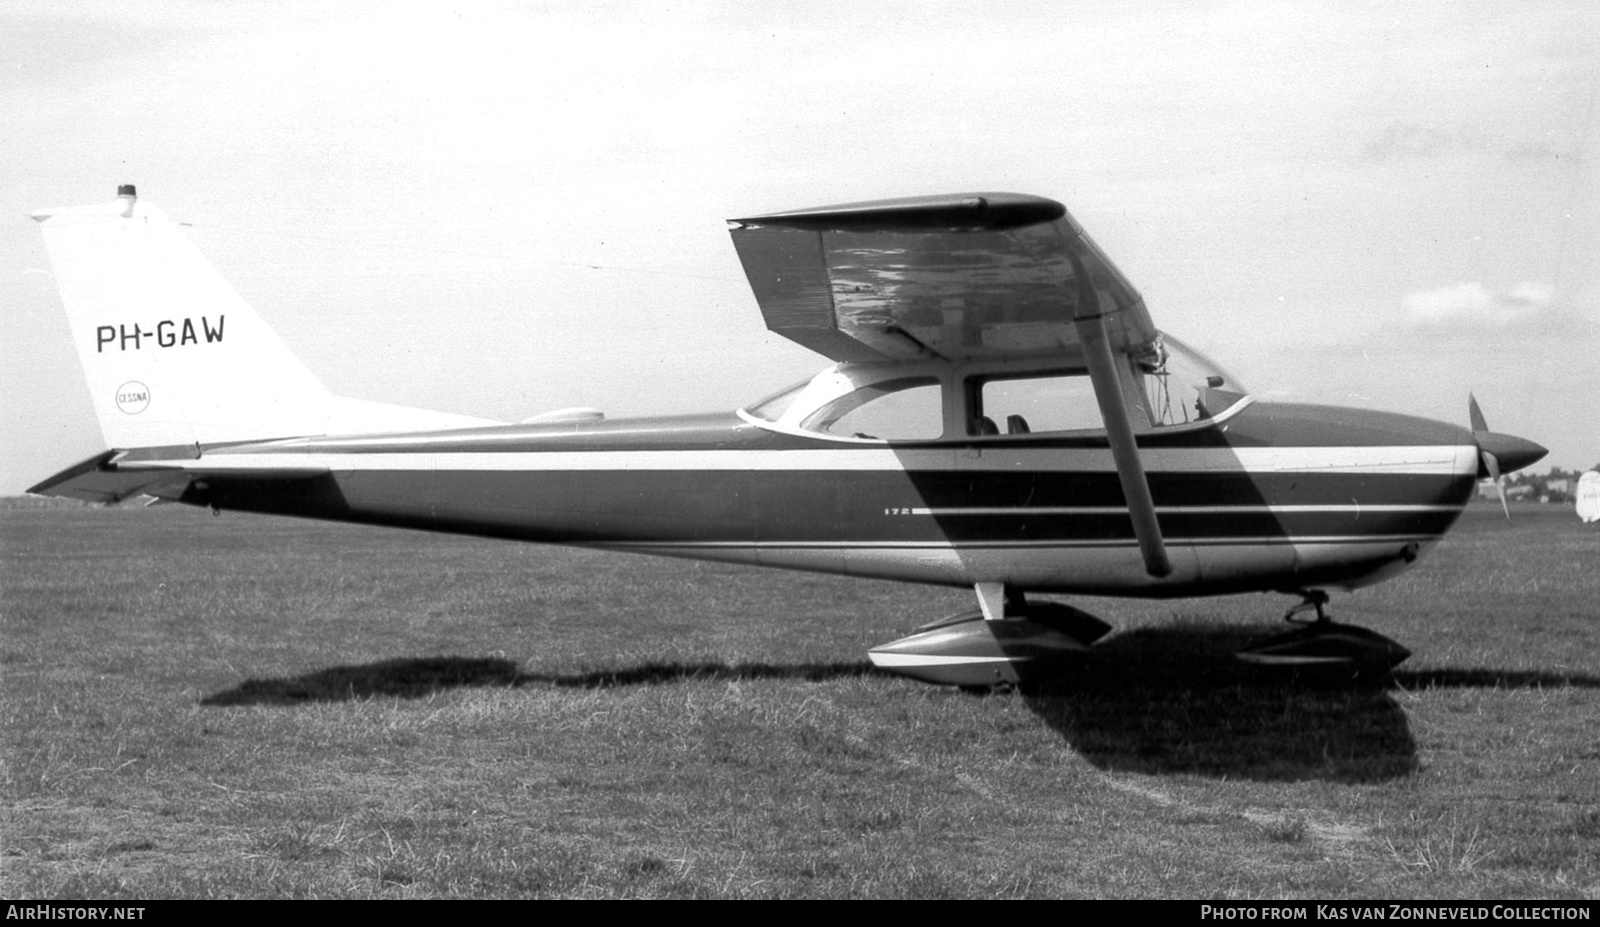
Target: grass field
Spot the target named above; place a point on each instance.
(248, 707)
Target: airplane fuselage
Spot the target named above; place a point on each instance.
(1271, 497)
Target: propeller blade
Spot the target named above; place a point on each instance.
(1491, 463)
(1499, 454)
(1475, 415)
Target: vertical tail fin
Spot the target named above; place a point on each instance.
(172, 354)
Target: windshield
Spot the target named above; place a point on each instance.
(1185, 386)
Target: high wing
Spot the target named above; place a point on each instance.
(956, 277)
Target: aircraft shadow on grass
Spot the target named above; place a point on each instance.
(1174, 700)
(424, 676)
(1447, 678)
(402, 678)
(1163, 700)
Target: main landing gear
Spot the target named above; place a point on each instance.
(1322, 642)
(1009, 641)
(1006, 641)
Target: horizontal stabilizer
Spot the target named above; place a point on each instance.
(94, 480)
(114, 476)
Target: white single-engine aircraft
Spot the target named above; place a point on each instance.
(1001, 415)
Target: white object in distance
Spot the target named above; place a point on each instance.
(1589, 497)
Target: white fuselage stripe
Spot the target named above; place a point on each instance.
(1427, 459)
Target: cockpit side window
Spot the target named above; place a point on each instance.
(1043, 402)
(1170, 385)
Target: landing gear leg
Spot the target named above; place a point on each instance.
(1314, 599)
(999, 601)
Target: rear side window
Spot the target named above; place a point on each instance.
(894, 410)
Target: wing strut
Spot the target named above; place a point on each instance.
(1089, 319)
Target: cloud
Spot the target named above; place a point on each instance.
(1410, 140)
(1473, 305)
(1402, 141)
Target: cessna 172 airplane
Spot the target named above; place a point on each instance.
(1001, 414)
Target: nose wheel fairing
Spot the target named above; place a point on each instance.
(1327, 644)
(1322, 643)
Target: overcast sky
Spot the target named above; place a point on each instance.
(502, 209)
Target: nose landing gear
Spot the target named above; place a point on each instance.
(1323, 642)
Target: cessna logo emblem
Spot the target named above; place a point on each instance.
(133, 397)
